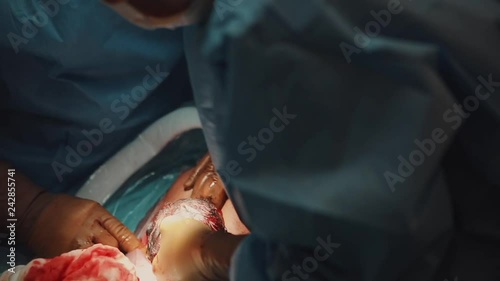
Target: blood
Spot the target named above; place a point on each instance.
(99, 263)
(53, 269)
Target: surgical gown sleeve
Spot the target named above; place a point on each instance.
(331, 135)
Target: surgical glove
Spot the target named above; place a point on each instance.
(56, 224)
(206, 183)
(190, 251)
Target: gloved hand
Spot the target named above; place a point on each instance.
(56, 224)
(206, 183)
(190, 251)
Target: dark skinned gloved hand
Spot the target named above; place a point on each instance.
(206, 183)
(55, 224)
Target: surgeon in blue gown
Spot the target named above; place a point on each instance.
(358, 140)
(77, 83)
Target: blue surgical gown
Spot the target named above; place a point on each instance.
(359, 140)
(77, 83)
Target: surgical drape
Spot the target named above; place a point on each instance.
(317, 119)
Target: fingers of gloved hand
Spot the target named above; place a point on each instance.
(206, 183)
(68, 223)
(206, 160)
(210, 186)
(127, 241)
(102, 236)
